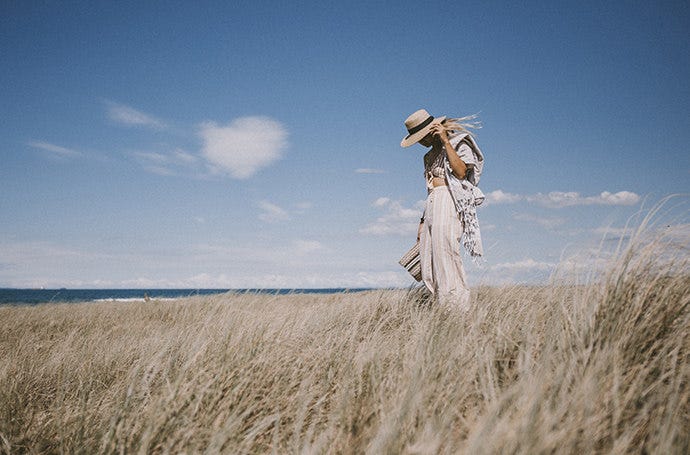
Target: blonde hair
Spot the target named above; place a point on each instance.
(463, 124)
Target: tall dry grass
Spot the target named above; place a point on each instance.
(601, 368)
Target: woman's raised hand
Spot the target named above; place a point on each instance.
(439, 132)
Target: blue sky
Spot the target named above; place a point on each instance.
(256, 144)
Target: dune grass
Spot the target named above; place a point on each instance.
(598, 368)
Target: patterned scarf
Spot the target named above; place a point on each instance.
(467, 196)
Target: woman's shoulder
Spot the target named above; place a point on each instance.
(457, 138)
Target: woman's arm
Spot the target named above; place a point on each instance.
(456, 163)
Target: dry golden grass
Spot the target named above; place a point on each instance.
(602, 368)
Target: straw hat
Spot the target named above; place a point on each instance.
(418, 126)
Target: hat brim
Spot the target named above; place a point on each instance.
(412, 139)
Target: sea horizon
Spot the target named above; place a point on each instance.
(36, 296)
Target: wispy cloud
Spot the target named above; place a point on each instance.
(302, 207)
(396, 219)
(44, 260)
(285, 280)
(677, 232)
(524, 265)
(170, 163)
(381, 202)
(545, 222)
(129, 116)
(560, 199)
(271, 213)
(586, 263)
(525, 271)
(366, 170)
(245, 146)
(55, 150)
(303, 247)
(612, 233)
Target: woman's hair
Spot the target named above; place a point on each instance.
(462, 124)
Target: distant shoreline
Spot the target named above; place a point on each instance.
(18, 296)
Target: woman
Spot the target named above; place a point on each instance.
(452, 169)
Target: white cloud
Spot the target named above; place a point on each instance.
(245, 146)
(611, 233)
(302, 207)
(545, 222)
(160, 170)
(294, 263)
(558, 199)
(285, 263)
(272, 213)
(397, 220)
(153, 157)
(36, 264)
(501, 197)
(676, 232)
(524, 265)
(525, 271)
(670, 238)
(181, 156)
(586, 264)
(277, 281)
(57, 150)
(620, 198)
(369, 171)
(177, 161)
(380, 202)
(303, 247)
(131, 117)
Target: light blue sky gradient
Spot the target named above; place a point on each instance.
(256, 144)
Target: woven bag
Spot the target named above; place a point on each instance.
(412, 263)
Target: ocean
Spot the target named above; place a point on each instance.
(38, 296)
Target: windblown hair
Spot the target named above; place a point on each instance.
(463, 124)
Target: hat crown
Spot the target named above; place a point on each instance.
(416, 118)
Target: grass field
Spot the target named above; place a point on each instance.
(599, 368)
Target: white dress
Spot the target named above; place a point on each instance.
(442, 231)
